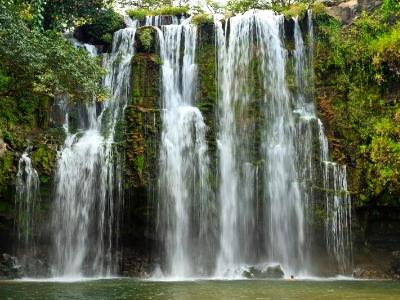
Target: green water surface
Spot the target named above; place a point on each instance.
(201, 290)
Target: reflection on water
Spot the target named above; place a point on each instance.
(200, 290)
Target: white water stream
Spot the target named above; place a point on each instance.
(184, 162)
(88, 179)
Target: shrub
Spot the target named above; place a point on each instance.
(202, 19)
(140, 14)
(295, 10)
(318, 8)
(171, 11)
(146, 38)
(46, 63)
(104, 25)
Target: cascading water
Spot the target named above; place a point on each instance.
(26, 202)
(338, 211)
(268, 222)
(88, 178)
(255, 43)
(338, 207)
(158, 21)
(234, 161)
(338, 200)
(184, 162)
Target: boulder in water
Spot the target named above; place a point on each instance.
(270, 272)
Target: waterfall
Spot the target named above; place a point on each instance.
(236, 170)
(337, 197)
(159, 21)
(255, 43)
(334, 176)
(268, 223)
(184, 162)
(26, 202)
(338, 211)
(88, 193)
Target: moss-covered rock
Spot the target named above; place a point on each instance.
(143, 119)
(7, 168)
(44, 159)
(207, 81)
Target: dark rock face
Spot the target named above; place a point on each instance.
(368, 5)
(345, 11)
(376, 241)
(395, 265)
(82, 35)
(143, 130)
(270, 272)
(9, 267)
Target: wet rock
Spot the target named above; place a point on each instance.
(137, 264)
(270, 272)
(369, 5)
(9, 267)
(368, 273)
(344, 12)
(36, 267)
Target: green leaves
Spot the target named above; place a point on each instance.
(360, 67)
(104, 25)
(46, 63)
(64, 14)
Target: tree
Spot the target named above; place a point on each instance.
(61, 14)
(45, 63)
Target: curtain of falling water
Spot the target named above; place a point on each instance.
(184, 161)
(286, 150)
(88, 178)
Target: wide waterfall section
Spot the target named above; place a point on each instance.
(267, 171)
(184, 163)
(88, 178)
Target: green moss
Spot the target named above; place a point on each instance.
(6, 170)
(44, 159)
(139, 163)
(143, 122)
(156, 59)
